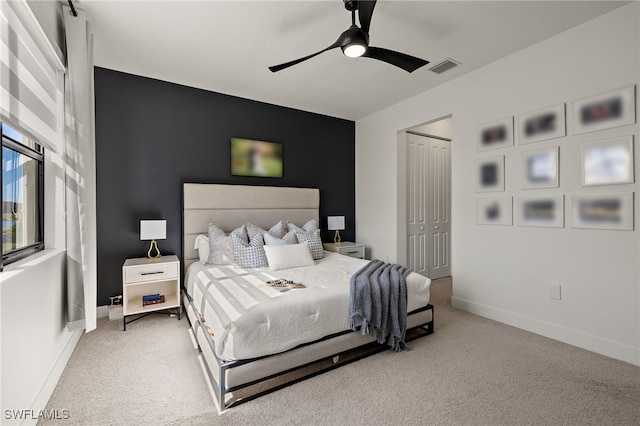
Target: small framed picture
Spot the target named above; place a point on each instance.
(495, 134)
(545, 123)
(490, 174)
(494, 211)
(540, 168)
(603, 211)
(541, 211)
(608, 162)
(603, 111)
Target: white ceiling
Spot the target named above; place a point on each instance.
(226, 46)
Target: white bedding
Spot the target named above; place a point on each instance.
(250, 319)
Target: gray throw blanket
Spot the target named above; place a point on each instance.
(378, 301)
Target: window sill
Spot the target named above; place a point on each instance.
(15, 268)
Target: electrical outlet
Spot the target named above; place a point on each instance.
(555, 291)
(115, 301)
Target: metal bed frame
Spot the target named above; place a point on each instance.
(222, 391)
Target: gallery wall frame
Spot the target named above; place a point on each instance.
(541, 168)
(605, 110)
(494, 211)
(490, 174)
(542, 124)
(495, 134)
(612, 211)
(541, 211)
(608, 162)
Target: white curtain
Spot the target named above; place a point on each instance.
(80, 174)
(31, 71)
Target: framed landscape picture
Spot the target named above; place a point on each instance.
(608, 162)
(603, 111)
(540, 168)
(256, 158)
(495, 134)
(490, 174)
(545, 123)
(545, 211)
(603, 211)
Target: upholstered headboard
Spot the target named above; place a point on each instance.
(229, 206)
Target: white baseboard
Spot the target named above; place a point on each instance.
(112, 313)
(102, 311)
(570, 336)
(41, 400)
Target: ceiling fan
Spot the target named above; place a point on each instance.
(354, 42)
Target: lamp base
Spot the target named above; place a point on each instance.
(336, 238)
(153, 246)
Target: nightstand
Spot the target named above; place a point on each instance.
(347, 248)
(149, 277)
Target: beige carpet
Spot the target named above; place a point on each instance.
(472, 371)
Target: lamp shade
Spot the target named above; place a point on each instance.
(335, 223)
(153, 229)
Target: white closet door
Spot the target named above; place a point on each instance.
(429, 206)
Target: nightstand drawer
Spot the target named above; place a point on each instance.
(354, 251)
(346, 248)
(151, 272)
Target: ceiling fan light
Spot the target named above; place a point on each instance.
(354, 50)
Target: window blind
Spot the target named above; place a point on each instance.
(31, 76)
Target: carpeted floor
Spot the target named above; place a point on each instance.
(472, 371)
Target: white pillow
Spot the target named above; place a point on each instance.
(288, 256)
(278, 230)
(289, 238)
(310, 226)
(202, 245)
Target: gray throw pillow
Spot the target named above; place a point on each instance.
(249, 255)
(220, 247)
(314, 241)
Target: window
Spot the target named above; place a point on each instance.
(22, 184)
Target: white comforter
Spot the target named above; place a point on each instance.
(251, 319)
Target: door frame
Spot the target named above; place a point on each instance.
(401, 188)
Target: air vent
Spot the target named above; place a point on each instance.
(444, 65)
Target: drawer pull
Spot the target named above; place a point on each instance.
(152, 273)
(354, 252)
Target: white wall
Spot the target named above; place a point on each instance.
(503, 272)
(35, 344)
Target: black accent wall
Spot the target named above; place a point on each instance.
(151, 136)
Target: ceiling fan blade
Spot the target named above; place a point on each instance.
(365, 10)
(276, 68)
(401, 60)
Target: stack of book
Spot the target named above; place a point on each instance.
(152, 299)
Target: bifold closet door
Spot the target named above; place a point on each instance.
(429, 206)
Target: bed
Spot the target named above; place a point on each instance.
(254, 337)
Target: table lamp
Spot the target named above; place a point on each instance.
(335, 223)
(153, 230)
